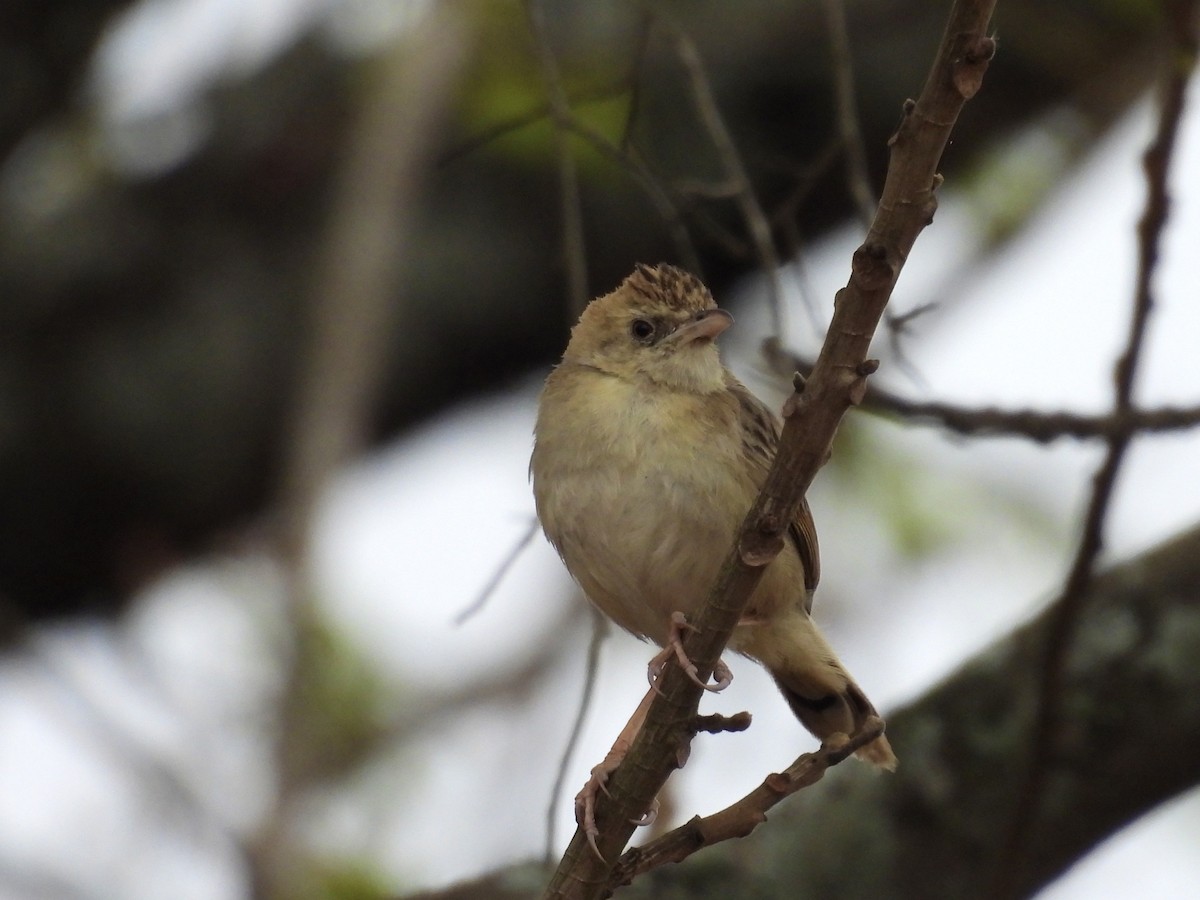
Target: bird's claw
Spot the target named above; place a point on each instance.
(674, 648)
(649, 816)
(585, 806)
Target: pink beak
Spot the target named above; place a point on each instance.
(707, 324)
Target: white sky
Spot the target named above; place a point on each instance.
(394, 568)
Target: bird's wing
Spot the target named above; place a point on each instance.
(760, 436)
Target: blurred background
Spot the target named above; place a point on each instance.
(280, 282)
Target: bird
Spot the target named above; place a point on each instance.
(648, 453)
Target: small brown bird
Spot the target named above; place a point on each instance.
(648, 454)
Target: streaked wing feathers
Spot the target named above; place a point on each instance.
(760, 431)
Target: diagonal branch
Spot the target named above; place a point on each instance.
(742, 817)
(811, 420)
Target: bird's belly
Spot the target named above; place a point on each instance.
(644, 545)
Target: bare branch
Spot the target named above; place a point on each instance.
(1042, 427)
(985, 421)
(1180, 60)
(811, 420)
(742, 817)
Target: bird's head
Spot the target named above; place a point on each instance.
(659, 325)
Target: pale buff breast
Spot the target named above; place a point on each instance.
(642, 511)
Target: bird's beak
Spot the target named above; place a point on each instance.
(706, 325)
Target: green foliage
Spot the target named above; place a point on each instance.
(343, 880)
(505, 86)
(338, 706)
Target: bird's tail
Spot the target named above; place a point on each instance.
(845, 711)
(816, 686)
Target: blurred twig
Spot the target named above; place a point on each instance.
(498, 576)
(532, 116)
(855, 152)
(117, 741)
(573, 250)
(736, 179)
(984, 421)
(1179, 62)
(622, 154)
(897, 330)
(628, 160)
(591, 670)
(24, 879)
(353, 311)
(635, 79)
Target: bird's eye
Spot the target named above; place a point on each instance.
(641, 329)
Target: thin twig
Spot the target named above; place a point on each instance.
(857, 179)
(622, 153)
(897, 330)
(785, 218)
(115, 741)
(1042, 427)
(499, 575)
(574, 254)
(1180, 60)
(990, 421)
(664, 204)
(806, 178)
(735, 173)
(635, 80)
(591, 670)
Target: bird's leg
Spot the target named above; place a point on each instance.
(674, 648)
(585, 800)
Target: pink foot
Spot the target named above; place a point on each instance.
(585, 800)
(674, 648)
